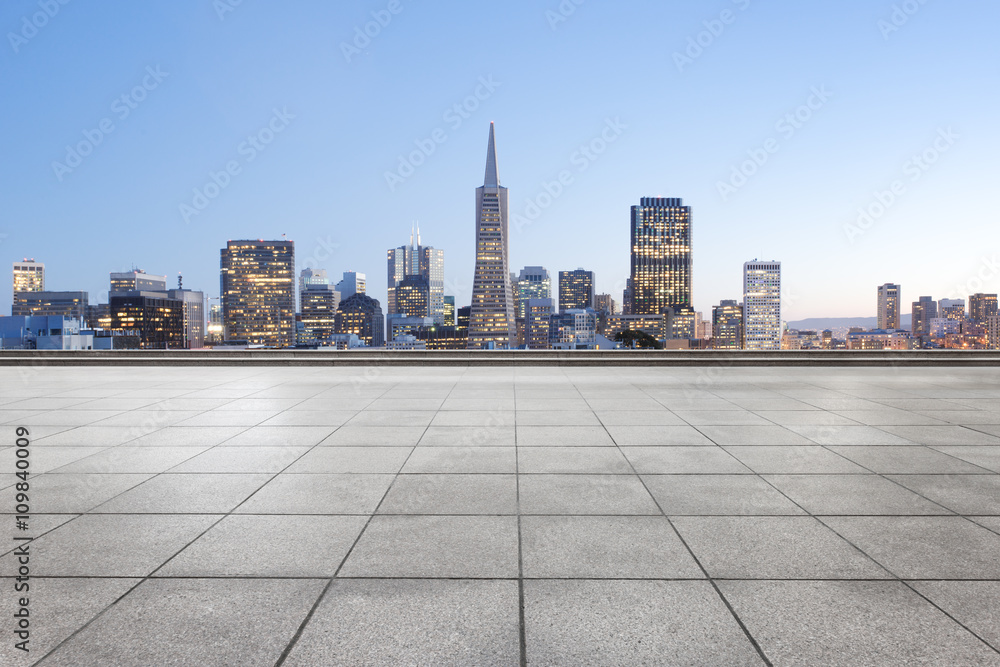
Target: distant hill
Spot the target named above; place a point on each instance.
(835, 323)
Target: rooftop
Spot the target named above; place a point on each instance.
(506, 515)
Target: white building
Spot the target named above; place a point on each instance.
(762, 305)
(353, 283)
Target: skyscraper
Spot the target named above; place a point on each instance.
(258, 292)
(982, 307)
(538, 317)
(449, 311)
(417, 260)
(661, 256)
(29, 276)
(53, 304)
(727, 325)
(605, 303)
(352, 283)
(318, 302)
(952, 309)
(762, 305)
(576, 290)
(993, 332)
(137, 280)
(361, 315)
(888, 306)
(532, 283)
(924, 310)
(491, 322)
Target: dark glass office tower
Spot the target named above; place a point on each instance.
(661, 256)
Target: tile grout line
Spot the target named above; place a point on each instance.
(708, 577)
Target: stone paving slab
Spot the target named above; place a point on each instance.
(507, 515)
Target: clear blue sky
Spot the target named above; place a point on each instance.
(322, 179)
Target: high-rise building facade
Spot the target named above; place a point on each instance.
(192, 316)
(924, 310)
(362, 316)
(352, 283)
(413, 297)
(157, 319)
(952, 309)
(491, 322)
(661, 256)
(889, 307)
(417, 260)
(52, 304)
(576, 290)
(449, 311)
(137, 280)
(982, 307)
(258, 292)
(762, 305)
(537, 321)
(318, 304)
(605, 303)
(993, 332)
(29, 276)
(532, 283)
(727, 325)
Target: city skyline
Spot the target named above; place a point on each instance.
(320, 173)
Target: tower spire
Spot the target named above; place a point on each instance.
(492, 180)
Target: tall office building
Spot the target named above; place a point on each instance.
(924, 310)
(727, 325)
(52, 304)
(413, 297)
(951, 309)
(137, 280)
(762, 305)
(192, 315)
(993, 332)
(982, 307)
(352, 283)
(491, 323)
(449, 311)
(417, 260)
(156, 318)
(311, 277)
(537, 324)
(532, 283)
(318, 303)
(888, 307)
(258, 292)
(576, 290)
(29, 276)
(605, 303)
(362, 316)
(661, 257)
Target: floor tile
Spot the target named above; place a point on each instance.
(443, 622)
(451, 494)
(849, 623)
(318, 494)
(435, 547)
(631, 623)
(195, 622)
(584, 494)
(718, 495)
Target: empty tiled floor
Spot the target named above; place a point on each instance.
(507, 515)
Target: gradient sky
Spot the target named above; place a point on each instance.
(322, 179)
